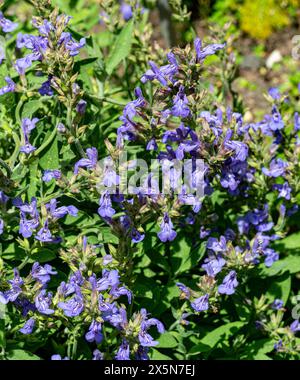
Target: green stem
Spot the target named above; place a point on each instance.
(6, 167)
(46, 143)
(16, 151)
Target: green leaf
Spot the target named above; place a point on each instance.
(258, 349)
(212, 338)
(21, 355)
(156, 355)
(50, 159)
(290, 263)
(167, 340)
(280, 288)
(30, 108)
(121, 48)
(43, 255)
(33, 180)
(290, 242)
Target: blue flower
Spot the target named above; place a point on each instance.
(94, 333)
(97, 355)
(180, 106)
(46, 88)
(73, 306)
(42, 274)
(295, 326)
(1, 226)
(202, 53)
(271, 257)
(81, 107)
(43, 302)
(58, 357)
(105, 210)
(123, 351)
(70, 44)
(89, 162)
(166, 232)
(51, 174)
(277, 168)
(213, 265)
(277, 304)
(274, 93)
(136, 236)
(15, 289)
(6, 25)
(126, 11)
(229, 284)
(201, 303)
(28, 326)
(10, 87)
(284, 190)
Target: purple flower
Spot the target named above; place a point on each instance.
(121, 291)
(15, 289)
(130, 110)
(106, 210)
(43, 302)
(202, 53)
(215, 245)
(271, 257)
(1, 226)
(22, 64)
(61, 128)
(136, 236)
(73, 306)
(28, 326)
(284, 190)
(276, 123)
(6, 25)
(27, 126)
(123, 351)
(277, 304)
(44, 234)
(163, 74)
(10, 87)
(46, 88)
(146, 339)
(94, 333)
(58, 357)
(180, 106)
(89, 162)
(44, 28)
(126, 11)
(295, 326)
(42, 274)
(213, 265)
(142, 353)
(274, 93)
(97, 355)
(229, 284)
(278, 345)
(201, 303)
(241, 149)
(70, 44)
(166, 232)
(109, 279)
(51, 174)
(277, 168)
(60, 212)
(28, 226)
(81, 107)
(27, 148)
(296, 122)
(185, 291)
